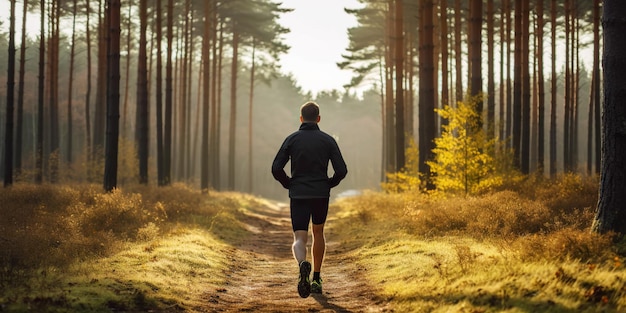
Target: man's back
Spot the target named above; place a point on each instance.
(310, 150)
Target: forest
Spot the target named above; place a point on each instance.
(549, 117)
(478, 134)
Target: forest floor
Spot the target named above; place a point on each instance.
(173, 249)
(263, 274)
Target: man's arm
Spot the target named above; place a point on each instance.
(282, 157)
(339, 166)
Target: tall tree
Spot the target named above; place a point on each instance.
(553, 89)
(101, 93)
(159, 99)
(184, 95)
(8, 141)
(594, 95)
(53, 90)
(20, 96)
(525, 69)
(40, 92)
(458, 53)
(517, 86)
(250, 116)
(232, 134)
(113, 94)
(141, 125)
(475, 50)
(611, 212)
(167, 123)
(399, 101)
(503, 113)
(567, 165)
(70, 94)
(389, 120)
(540, 87)
(204, 155)
(445, 93)
(127, 75)
(596, 84)
(88, 91)
(427, 118)
(491, 86)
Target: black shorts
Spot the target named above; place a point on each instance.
(303, 210)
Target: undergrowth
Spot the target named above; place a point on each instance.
(46, 231)
(529, 250)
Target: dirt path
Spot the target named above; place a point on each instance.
(263, 276)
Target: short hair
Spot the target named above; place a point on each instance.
(310, 111)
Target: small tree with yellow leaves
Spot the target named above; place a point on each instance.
(464, 156)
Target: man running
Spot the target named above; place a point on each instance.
(310, 150)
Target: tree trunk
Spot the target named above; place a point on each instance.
(182, 115)
(553, 90)
(458, 52)
(611, 212)
(204, 157)
(40, 93)
(141, 126)
(541, 89)
(167, 123)
(190, 62)
(88, 92)
(575, 83)
(517, 87)
(475, 50)
(127, 79)
(568, 78)
(427, 118)
(8, 140)
(502, 113)
(216, 98)
(491, 86)
(113, 95)
(250, 118)
(232, 131)
(54, 92)
(525, 156)
(399, 63)
(596, 85)
(509, 89)
(20, 98)
(159, 97)
(389, 105)
(100, 110)
(445, 92)
(69, 92)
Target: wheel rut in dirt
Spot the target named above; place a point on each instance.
(263, 274)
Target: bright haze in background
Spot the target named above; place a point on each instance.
(318, 37)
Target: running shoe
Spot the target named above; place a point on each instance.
(304, 284)
(316, 286)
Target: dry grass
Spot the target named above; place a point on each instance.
(527, 251)
(75, 248)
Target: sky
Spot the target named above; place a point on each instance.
(318, 38)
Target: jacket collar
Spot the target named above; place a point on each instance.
(309, 126)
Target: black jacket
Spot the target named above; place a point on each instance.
(309, 149)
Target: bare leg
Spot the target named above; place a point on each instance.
(319, 247)
(299, 245)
